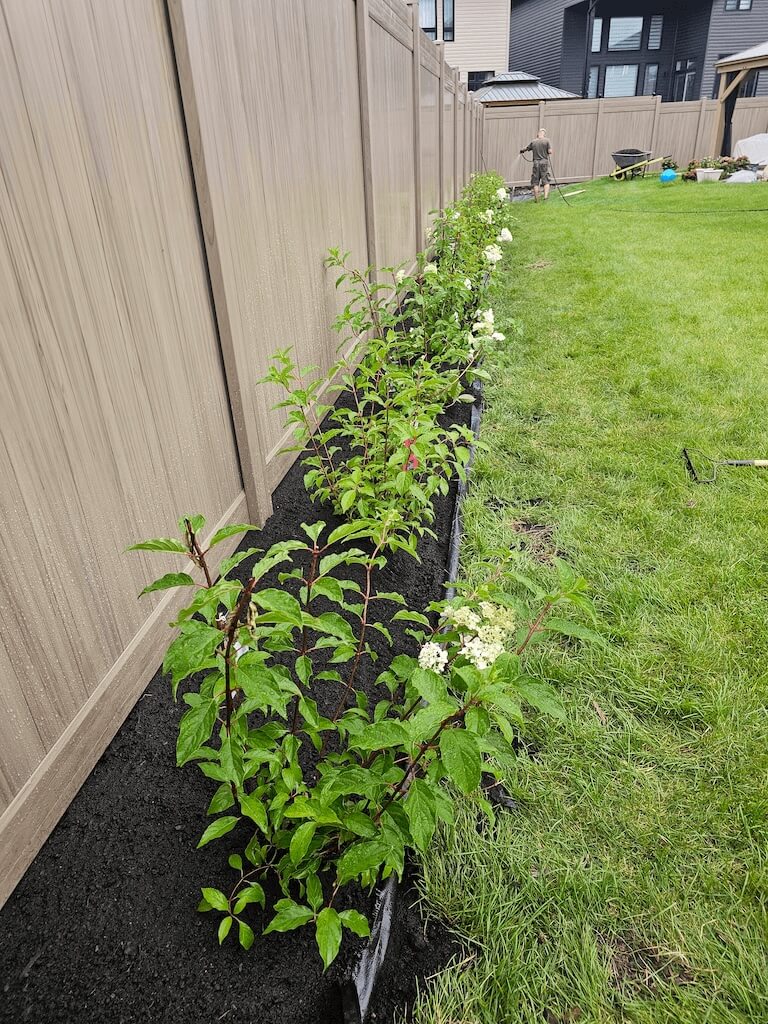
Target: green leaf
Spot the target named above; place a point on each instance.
(235, 559)
(245, 934)
(253, 894)
(429, 685)
(215, 898)
(347, 500)
(281, 602)
(221, 800)
(197, 522)
(300, 841)
(224, 928)
(191, 651)
(289, 916)
(328, 935)
(230, 531)
(217, 829)
(159, 544)
(253, 808)
(359, 858)
(575, 629)
(195, 729)
(171, 579)
(355, 922)
(314, 891)
(541, 696)
(235, 861)
(422, 813)
(409, 616)
(381, 736)
(460, 755)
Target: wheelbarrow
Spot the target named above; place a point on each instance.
(630, 162)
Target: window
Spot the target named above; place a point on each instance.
(475, 79)
(654, 32)
(597, 35)
(448, 19)
(685, 80)
(625, 33)
(428, 17)
(592, 85)
(651, 77)
(620, 80)
(738, 5)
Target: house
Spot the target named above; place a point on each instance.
(517, 87)
(475, 33)
(636, 47)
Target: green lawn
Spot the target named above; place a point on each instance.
(632, 883)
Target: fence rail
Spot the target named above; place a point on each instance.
(174, 171)
(584, 133)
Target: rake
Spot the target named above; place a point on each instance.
(706, 470)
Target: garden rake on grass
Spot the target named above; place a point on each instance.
(703, 468)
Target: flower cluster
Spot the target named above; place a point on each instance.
(485, 325)
(484, 634)
(492, 254)
(434, 657)
(501, 194)
(505, 235)
(486, 217)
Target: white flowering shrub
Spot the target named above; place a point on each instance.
(250, 659)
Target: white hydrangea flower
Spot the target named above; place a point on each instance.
(484, 322)
(400, 276)
(499, 616)
(481, 654)
(433, 657)
(430, 268)
(505, 235)
(501, 193)
(486, 217)
(498, 336)
(467, 283)
(456, 214)
(493, 254)
(463, 618)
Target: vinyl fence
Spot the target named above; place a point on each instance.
(173, 173)
(584, 133)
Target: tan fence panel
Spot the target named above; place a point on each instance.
(113, 409)
(681, 132)
(750, 118)
(507, 131)
(280, 151)
(460, 136)
(392, 138)
(430, 146)
(449, 181)
(584, 133)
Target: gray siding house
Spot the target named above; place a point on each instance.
(636, 47)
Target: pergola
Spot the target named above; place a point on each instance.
(733, 70)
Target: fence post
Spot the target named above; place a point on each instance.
(440, 126)
(362, 30)
(455, 76)
(416, 90)
(465, 130)
(597, 136)
(655, 128)
(541, 114)
(699, 126)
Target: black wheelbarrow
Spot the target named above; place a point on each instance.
(630, 162)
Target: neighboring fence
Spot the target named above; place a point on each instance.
(155, 251)
(584, 133)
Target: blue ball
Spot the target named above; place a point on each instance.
(668, 175)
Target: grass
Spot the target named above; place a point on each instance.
(631, 885)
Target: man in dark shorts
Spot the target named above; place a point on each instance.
(541, 148)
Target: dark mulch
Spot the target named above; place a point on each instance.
(103, 926)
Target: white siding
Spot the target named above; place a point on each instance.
(481, 36)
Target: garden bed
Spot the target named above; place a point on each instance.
(103, 926)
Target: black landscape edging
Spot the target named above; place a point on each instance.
(358, 988)
(102, 929)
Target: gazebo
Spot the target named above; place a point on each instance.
(733, 70)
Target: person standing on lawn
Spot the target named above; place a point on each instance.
(541, 148)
